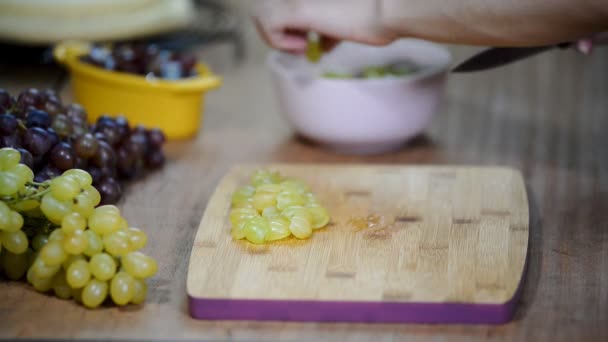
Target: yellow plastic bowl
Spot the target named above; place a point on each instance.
(176, 107)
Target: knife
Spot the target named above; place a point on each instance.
(495, 57)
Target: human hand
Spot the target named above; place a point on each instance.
(284, 24)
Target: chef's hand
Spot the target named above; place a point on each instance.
(284, 23)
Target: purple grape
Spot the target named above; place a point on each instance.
(155, 159)
(86, 145)
(52, 106)
(137, 144)
(156, 137)
(29, 98)
(8, 124)
(46, 173)
(75, 110)
(13, 141)
(109, 130)
(63, 156)
(36, 140)
(6, 101)
(124, 162)
(123, 127)
(110, 190)
(26, 158)
(80, 163)
(62, 125)
(53, 137)
(38, 118)
(105, 155)
(49, 94)
(95, 173)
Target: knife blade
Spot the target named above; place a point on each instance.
(495, 57)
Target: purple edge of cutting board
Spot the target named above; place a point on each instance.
(344, 311)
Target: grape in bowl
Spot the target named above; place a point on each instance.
(361, 115)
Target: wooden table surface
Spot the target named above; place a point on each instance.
(546, 116)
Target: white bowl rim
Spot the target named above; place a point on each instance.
(427, 72)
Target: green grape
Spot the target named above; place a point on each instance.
(15, 242)
(279, 228)
(71, 259)
(270, 212)
(310, 199)
(122, 288)
(300, 227)
(61, 287)
(102, 266)
(140, 289)
(24, 173)
(78, 274)
(294, 186)
(26, 205)
(42, 270)
(264, 200)
(337, 75)
(9, 183)
(116, 243)
(104, 220)
(319, 216)
(237, 215)
(94, 245)
(94, 293)
(260, 177)
(139, 265)
(83, 205)
(5, 216)
(39, 283)
(83, 177)
(256, 230)
(137, 239)
(92, 194)
(15, 265)
(9, 158)
(16, 222)
(39, 241)
(54, 209)
(242, 196)
(73, 222)
(292, 211)
(57, 235)
(76, 242)
(65, 188)
(313, 47)
(268, 188)
(124, 224)
(53, 254)
(77, 294)
(238, 231)
(289, 199)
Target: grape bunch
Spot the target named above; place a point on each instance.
(53, 234)
(272, 208)
(142, 59)
(53, 137)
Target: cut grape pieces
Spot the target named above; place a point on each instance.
(273, 208)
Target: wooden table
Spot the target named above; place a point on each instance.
(546, 116)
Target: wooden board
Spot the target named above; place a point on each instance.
(405, 244)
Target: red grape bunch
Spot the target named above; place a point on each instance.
(53, 137)
(142, 59)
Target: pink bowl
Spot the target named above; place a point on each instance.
(361, 116)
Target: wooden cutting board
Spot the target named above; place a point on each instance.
(405, 244)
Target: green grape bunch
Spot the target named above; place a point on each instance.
(56, 236)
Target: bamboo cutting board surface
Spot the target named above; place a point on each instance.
(405, 244)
